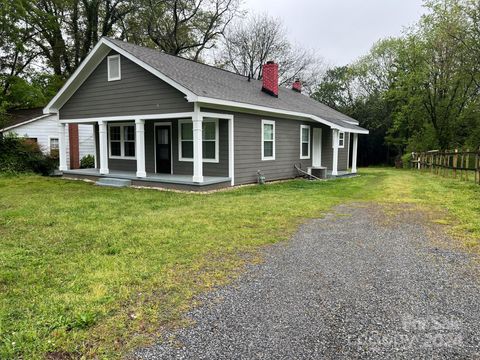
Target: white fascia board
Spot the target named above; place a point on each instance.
(212, 101)
(94, 58)
(25, 122)
(183, 115)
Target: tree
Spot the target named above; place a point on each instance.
(360, 91)
(181, 27)
(249, 44)
(66, 30)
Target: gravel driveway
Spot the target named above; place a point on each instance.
(356, 284)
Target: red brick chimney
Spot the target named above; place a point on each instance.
(74, 146)
(270, 78)
(297, 86)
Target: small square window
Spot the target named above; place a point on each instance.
(114, 72)
(341, 139)
(54, 144)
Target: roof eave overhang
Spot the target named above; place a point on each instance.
(266, 109)
(8, 128)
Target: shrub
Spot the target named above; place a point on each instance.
(21, 155)
(87, 162)
(406, 159)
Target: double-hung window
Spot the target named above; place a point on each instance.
(122, 141)
(209, 140)
(341, 139)
(304, 142)
(268, 140)
(54, 145)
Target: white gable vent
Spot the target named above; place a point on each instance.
(114, 71)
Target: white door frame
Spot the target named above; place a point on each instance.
(169, 124)
(317, 147)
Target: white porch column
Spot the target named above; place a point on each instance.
(62, 147)
(140, 147)
(103, 142)
(354, 153)
(335, 152)
(197, 145)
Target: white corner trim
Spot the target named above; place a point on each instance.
(305, 157)
(25, 122)
(268, 122)
(113, 57)
(231, 150)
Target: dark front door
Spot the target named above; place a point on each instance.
(163, 149)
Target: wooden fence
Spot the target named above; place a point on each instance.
(462, 164)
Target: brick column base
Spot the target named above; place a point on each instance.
(74, 146)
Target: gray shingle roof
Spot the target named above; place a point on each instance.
(19, 116)
(208, 81)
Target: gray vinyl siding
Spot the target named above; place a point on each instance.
(248, 145)
(137, 93)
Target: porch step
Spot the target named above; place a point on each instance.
(114, 182)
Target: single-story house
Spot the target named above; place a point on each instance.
(162, 120)
(42, 128)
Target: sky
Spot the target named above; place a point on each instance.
(340, 31)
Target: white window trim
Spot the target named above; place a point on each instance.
(344, 137)
(50, 143)
(119, 77)
(268, 122)
(303, 157)
(217, 139)
(122, 141)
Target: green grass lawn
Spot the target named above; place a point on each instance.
(97, 271)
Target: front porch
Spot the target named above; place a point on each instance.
(171, 181)
(179, 150)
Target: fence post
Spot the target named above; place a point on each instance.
(455, 163)
(444, 164)
(477, 166)
(467, 164)
(447, 163)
